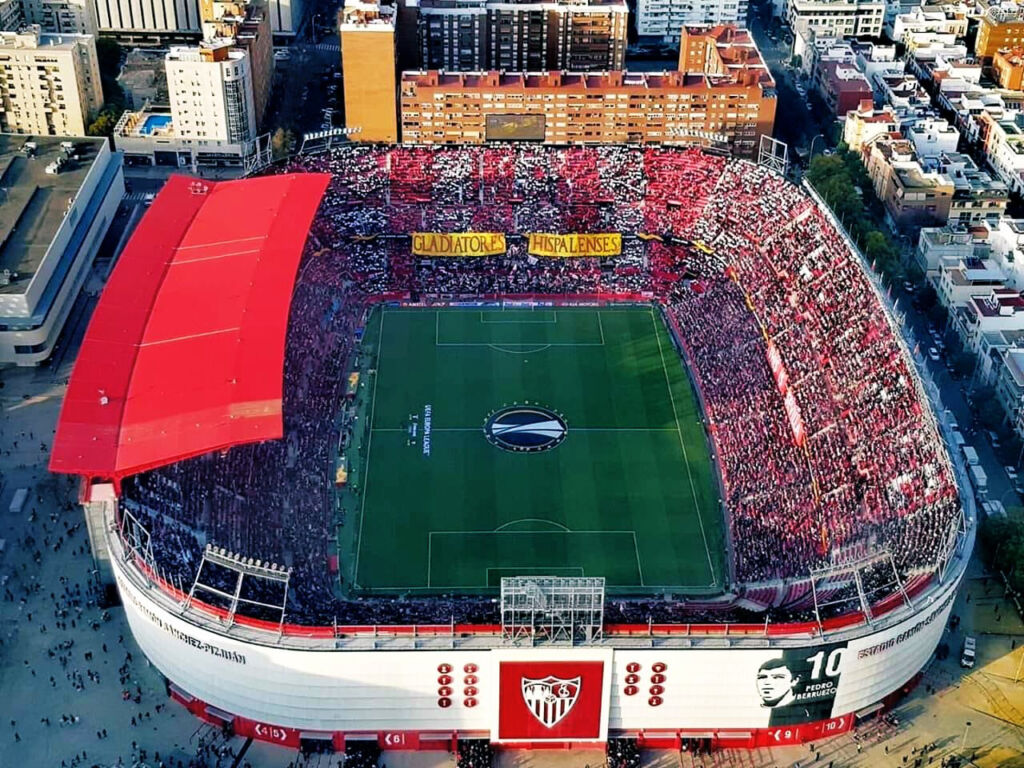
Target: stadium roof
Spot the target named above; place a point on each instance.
(185, 351)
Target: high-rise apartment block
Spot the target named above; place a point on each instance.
(49, 84)
(522, 36)
(369, 70)
(66, 17)
(662, 20)
(725, 97)
(211, 93)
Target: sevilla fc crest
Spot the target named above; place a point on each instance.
(550, 699)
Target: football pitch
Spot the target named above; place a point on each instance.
(516, 442)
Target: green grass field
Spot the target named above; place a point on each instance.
(628, 494)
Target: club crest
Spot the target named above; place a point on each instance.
(550, 699)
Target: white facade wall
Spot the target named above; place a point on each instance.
(351, 690)
(1006, 158)
(211, 100)
(153, 17)
(837, 18)
(933, 137)
(49, 84)
(663, 19)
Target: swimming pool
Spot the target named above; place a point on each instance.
(154, 123)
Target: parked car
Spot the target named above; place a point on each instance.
(933, 353)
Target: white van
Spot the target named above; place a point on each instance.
(967, 654)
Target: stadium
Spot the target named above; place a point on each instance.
(398, 448)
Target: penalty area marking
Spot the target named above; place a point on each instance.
(530, 346)
(552, 321)
(499, 532)
(531, 520)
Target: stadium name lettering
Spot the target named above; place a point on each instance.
(579, 246)
(427, 410)
(906, 634)
(183, 637)
(458, 244)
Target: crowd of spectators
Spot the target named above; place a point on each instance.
(474, 753)
(823, 442)
(623, 753)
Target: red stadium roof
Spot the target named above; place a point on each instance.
(185, 351)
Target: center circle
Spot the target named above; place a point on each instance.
(525, 428)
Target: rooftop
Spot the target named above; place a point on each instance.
(34, 201)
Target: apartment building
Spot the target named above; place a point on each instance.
(977, 197)
(68, 17)
(932, 136)
(245, 24)
(1010, 387)
(10, 14)
(1008, 68)
(836, 18)
(369, 70)
(914, 196)
(661, 20)
(950, 19)
(481, 35)
(842, 87)
(865, 124)
(49, 84)
(1000, 25)
(211, 93)
(1003, 144)
(730, 113)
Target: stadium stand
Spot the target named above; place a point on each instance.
(823, 441)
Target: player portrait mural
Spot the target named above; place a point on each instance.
(800, 686)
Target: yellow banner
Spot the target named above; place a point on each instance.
(576, 246)
(457, 243)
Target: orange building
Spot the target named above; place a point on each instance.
(1008, 68)
(369, 70)
(609, 108)
(724, 96)
(1000, 25)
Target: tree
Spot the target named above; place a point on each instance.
(1002, 547)
(282, 142)
(990, 412)
(879, 251)
(104, 124)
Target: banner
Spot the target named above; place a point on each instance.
(575, 246)
(457, 243)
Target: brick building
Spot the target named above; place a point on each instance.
(728, 103)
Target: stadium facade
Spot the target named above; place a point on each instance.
(793, 676)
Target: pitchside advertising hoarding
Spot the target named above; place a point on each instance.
(536, 695)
